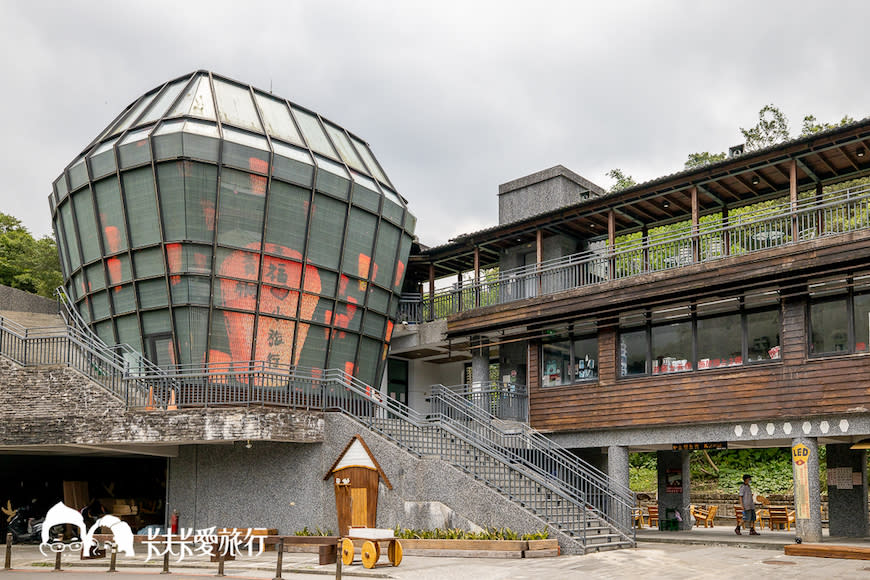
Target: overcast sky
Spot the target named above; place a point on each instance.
(453, 97)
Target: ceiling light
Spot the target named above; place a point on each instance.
(755, 180)
(860, 152)
(666, 204)
(248, 446)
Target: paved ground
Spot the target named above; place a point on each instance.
(719, 553)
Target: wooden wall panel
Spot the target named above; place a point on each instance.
(795, 386)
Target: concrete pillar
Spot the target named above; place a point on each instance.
(807, 495)
(480, 375)
(674, 485)
(847, 502)
(617, 464)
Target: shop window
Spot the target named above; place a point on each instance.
(840, 324)
(569, 361)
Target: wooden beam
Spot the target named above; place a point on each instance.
(696, 217)
(712, 195)
(807, 170)
(793, 196)
(824, 160)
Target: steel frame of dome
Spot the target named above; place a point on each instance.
(258, 204)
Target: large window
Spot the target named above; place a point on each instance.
(718, 334)
(840, 316)
(569, 360)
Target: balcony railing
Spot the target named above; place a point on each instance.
(775, 225)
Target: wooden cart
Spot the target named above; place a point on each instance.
(370, 540)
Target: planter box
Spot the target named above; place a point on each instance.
(481, 548)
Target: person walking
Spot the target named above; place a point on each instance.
(748, 503)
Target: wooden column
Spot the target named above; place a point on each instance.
(820, 214)
(539, 255)
(611, 242)
(793, 196)
(726, 234)
(476, 276)
(696, 217)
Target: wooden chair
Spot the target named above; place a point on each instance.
(781, 516)
(738, 513)
(705, 516)
(652, 515)
(637, 515)
(763, 513)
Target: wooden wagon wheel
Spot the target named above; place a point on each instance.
(394, 552)
(371, 552)
(347, 551)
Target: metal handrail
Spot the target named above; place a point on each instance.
(539, 455)
(504, 401)
(776, 224)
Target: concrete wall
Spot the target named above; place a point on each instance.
(14, 300)
(423, 375)
(542, 192)
(846, 505)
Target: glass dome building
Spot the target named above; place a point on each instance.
(214, 222)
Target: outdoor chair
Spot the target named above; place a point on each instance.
(705, 516)
(738, 513)
(652, 513)
(637, 515)
(763, 513)
(781, 516)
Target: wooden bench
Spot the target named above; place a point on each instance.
(705, 515)
(828, 551)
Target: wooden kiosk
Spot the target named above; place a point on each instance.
(356, 475)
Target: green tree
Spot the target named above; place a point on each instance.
(811, 125)
(772, 128)
(26, 263)
(623, 181)
(703, 158)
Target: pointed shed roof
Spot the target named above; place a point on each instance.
(357, 454)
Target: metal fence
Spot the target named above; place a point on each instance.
(771, 225)
(503, 401)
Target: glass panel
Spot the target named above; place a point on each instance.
(285, 273)
(762, 334)
(197, 101)
(830, 330)
(119, 269)
(78, 286)
(374, 168)
(410, 223)
(331, 178)
(342, 351)
(63, 252)
(187, 200)
(556, 359)
(232, 334)
(169, 127)
(128, 331)
(347, 314)
(374, 324)
(114, 230)
(103, 159)
(123, 299)
(404, 251)
(242, 201)
(105, 330)
(287, 219)
(385, 255)
(134, 113)
(96, 277)
(152, 293)
(720, 342)
(378, 299)
(275, 339)
(88, 231)
(672, 348)
(155, 321)
(148, 262)
(393, 212)
(861, 313)
(246, 152)
(198, 147)
(367, 198)
(191, 332)
(313, 132)
(163, 102)
(100, 304)
(586, 358)
(369, 357)
(284, 302)
(327, 282)
(235, 294)
(135, 149)
(188, 258)
(345, 149)
(276, 116)
(328, 219)
(69, 236)
(393, 197)
(292, 164)
(78, 174)
(237, 264)
(632, 353)
(60, 187)
(142, 206)
(236, 107)
(358, 246)
(190, 289)
(311, 345)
